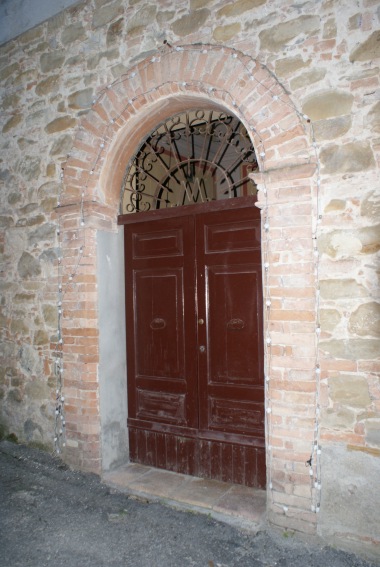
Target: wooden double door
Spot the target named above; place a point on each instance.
(195, 341)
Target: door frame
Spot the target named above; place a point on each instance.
(246, 453)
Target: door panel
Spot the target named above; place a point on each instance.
(159, 283)
(229, 292)
(159, 325)
(235, 236)
(194, 342)
(233, 325)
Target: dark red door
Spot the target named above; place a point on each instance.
(194, 341)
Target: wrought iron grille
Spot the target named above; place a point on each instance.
(193, 157)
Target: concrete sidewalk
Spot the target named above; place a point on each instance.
(52, 516)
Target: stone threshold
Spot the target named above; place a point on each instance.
(234, 504)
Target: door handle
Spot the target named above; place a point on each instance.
(202, 348)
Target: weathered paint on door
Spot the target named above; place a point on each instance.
(194, 341)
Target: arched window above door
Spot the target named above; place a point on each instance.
(193, 157)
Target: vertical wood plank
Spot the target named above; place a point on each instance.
(204, 466)
(250, 466)
(141, 446)
(238, 467)
(160, 451)
(171, 452)
(261, 477)
(182, 455)
(216, 461)
(151, 458)
(226, 462)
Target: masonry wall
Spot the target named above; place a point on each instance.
(325, 54)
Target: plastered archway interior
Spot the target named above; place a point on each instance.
(174, 80)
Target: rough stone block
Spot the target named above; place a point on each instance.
(341, 289)
(40, 338)
(328, 104)
(28, 266)
(81, 99)
(332, 128)
(32, 430)
(275, 38)
(42, 233)
(352, 349)
(290, 65)
(74, 32)
(350, 391)
(329, 319)
(48, 85)
(62, 145)
(239, 7)
(349, 243)
(335, 205)
(15, 395)
(8, 71)
(60, 124)
(52, 61)
(340, 419)
(368, 50)
(224, 33)
(6, 221)
(307, 78)
(115, 30)
(354, 21)
(37, 390)
(355, 156)
(339, 244)
(50, 314)
(142, 18)
(12, 123)
(329, 29)
(366, 320)
(190, 23)
(373, 118)
(372, 432)
(106, 14)
(29, 167)
(18, 327)
(370, 206)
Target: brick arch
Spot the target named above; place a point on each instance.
(175, 80)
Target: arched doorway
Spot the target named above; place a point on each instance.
(194, 300)
(176, 79)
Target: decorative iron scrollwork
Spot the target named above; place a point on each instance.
(193, 157)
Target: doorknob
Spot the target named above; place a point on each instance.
(202, 348)
(201, 322)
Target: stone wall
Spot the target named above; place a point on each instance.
(326, 56)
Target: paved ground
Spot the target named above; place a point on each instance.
(51, 516)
